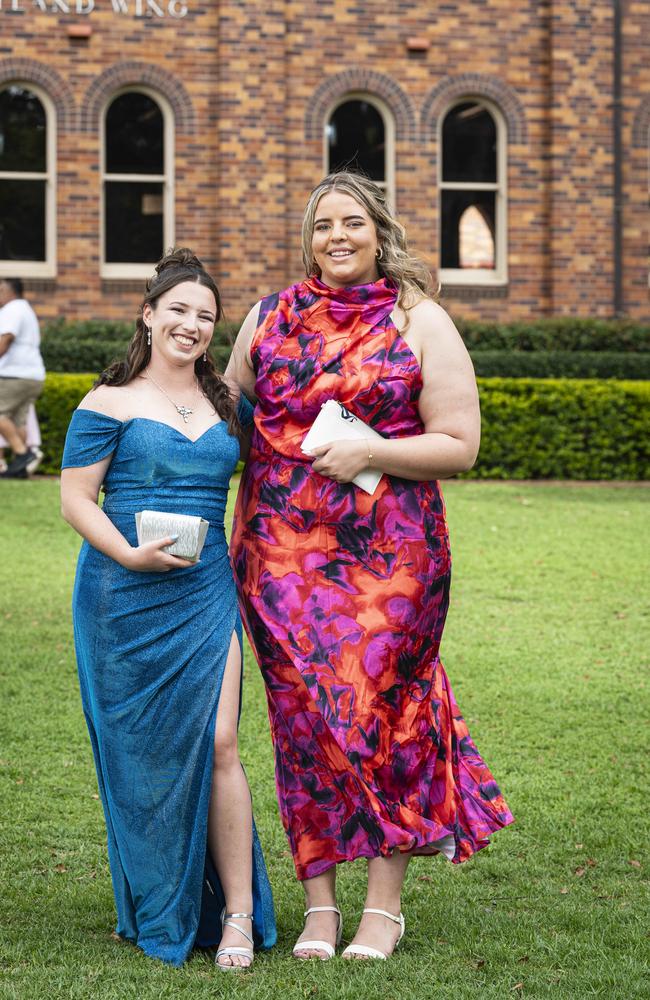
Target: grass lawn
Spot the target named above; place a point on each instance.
(545, 649)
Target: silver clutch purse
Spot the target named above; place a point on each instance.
(153, 524)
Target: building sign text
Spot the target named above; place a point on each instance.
(137, 8)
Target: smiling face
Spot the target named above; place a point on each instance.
(182, 322)
(344, 241)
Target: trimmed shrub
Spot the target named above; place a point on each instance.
(561, 364)
(92, 355)
(61, 395)
(92, 346)
(532, 428)
(95, 356)
(548, 348)
(562, 333)
(59, 331)
(564, 429)
(81, 355)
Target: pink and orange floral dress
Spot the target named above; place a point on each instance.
(344, 597)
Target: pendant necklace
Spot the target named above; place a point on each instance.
(184, 411)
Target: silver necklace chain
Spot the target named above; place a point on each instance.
(184, 411)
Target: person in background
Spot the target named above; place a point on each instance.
(22, 374)
(33, 439)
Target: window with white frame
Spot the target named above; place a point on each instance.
(473, 244)
(360, 135)
(137, 183)
(27, 182)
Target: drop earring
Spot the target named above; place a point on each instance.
(148, 336)
(205, 356)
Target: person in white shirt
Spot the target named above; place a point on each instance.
(22, 374)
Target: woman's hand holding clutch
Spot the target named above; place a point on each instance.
(150, 557)
(341, 460)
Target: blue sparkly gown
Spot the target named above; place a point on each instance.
(151, 650)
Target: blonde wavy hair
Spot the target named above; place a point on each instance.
(409, 274)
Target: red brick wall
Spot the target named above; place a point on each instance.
(464, 48)
(636, 156)
(178, 57)
(251, 83)
(581, 157)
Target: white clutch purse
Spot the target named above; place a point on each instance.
(191, 531)
(335, 423)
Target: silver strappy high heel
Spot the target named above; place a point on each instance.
(228, 920)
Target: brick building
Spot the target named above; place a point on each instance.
(513, 138)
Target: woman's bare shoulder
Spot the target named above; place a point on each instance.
(426, 308)
(110, 400)
(251, 320)
(433, 323)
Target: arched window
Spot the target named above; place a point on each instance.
(138, 189)
(472, 194)
(360, 135)
(27, 187)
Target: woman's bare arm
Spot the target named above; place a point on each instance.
(79, 494)
(239, 370)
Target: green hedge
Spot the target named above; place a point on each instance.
(91, 346)
(561, 364)
(532, 428)
(553, 348)
(564, 429)
(59, 398)
(562, 333)
(62, 331)
(114, 330)
(95, 356)
(89, 355)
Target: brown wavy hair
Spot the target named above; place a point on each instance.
(407, 273)
(176, 266)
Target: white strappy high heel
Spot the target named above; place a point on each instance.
(365, 950)
(228, 920)
(321, 945)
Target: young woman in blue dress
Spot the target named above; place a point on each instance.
(158, 638)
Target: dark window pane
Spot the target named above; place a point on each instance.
(134, 136)
(22, 130)
(356, 139)
(134, 222)
(22, 220)
(469, 145)
(468, 229)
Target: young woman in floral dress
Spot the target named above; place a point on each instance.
(344, 594)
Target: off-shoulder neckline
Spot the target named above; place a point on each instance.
(151, 420)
